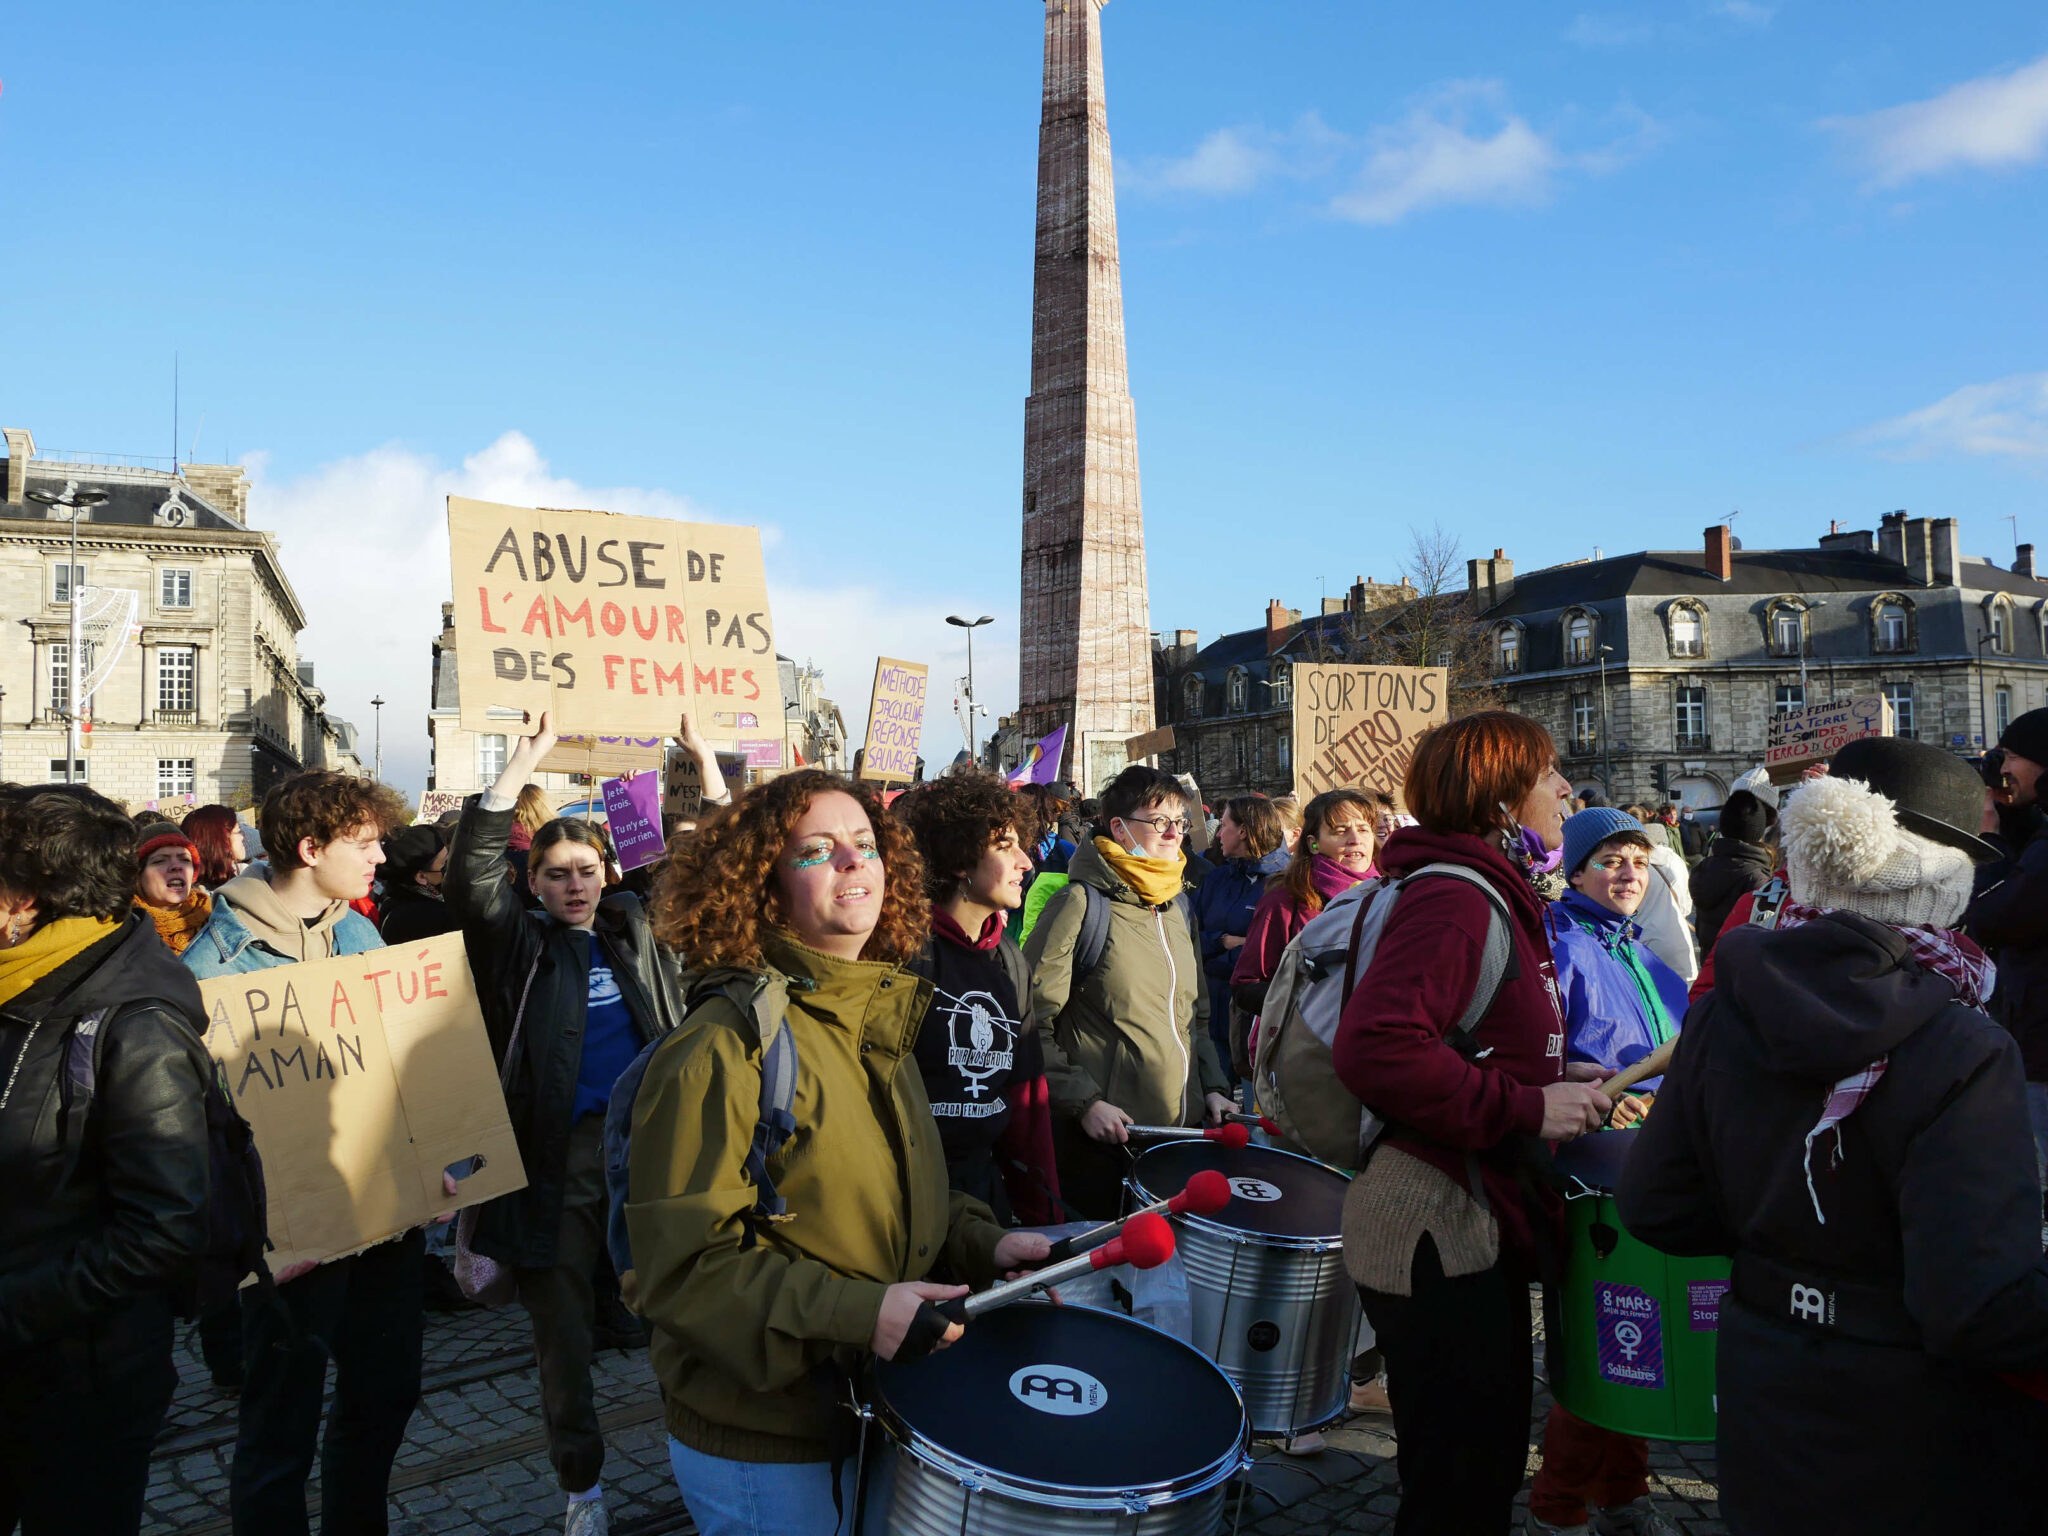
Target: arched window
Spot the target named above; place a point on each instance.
(1507, 648)
(1578, 637)
(1234, 691)
(1688, 629)
(1998, 618)
(1191, 698)
(1785, 627)
(1891, 625)
(1283, 685)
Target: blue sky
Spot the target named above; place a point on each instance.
(1553, 278)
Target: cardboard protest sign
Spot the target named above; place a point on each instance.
(1355, 727)
(363, 1077)
(895, 721)
(1151, 744)
(632, 808)
(615, 623)
(436, 803)
(682, 786)
(604, 757)
(1801, 737)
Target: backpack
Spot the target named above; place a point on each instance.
(762, 997)
(237, 1203)
(1297, 1084)
(1094, 936)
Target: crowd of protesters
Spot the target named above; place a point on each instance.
(968, 997)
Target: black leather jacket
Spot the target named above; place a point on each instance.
(98, 1212)
(515, 954)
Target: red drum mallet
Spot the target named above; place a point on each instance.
(1205, 1193)
(1145, 1243)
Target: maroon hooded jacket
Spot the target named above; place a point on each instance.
(1390, 1048)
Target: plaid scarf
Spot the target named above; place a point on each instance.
(1941, 950)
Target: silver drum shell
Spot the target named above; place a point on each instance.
(936, 1494)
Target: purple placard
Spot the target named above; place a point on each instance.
(1703, 1304)
(1630, 1326)
(633, 808)
(762, 754)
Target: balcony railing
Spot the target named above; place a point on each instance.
(180, 717)
(1694, 741)
(1582, 746)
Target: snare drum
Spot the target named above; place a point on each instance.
(1634, 1330)
(1270, 1300)
(1045, 1419)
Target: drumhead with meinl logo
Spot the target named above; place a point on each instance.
(1068, 1396)
(1272, 1193)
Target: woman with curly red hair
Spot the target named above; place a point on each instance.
(809, 900)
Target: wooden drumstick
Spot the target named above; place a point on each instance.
(1652, 1065)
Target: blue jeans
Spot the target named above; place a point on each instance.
(752, 1498)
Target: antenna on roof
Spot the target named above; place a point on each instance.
(2014, 519)
(174, 413)
(1728, 522)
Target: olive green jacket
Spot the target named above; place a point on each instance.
(1136, 1030)
(740, 1329)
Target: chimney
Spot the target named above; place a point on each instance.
(1919, 554)
(1280, 623)
(21, 447)
(1336, 605)
(1891, 537)
(2023, 561)
(1944, 555)
(1856, 540)
(1720, 559)
(224, 487)
(1490, 582)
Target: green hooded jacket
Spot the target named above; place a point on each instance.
(1136, 1030)
(740, 1329)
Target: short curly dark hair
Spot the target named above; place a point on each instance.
(68, 848)
(956, 818)
(323, 805)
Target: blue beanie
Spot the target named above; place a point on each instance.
(1592, 827)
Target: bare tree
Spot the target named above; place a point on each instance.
(1436, 627)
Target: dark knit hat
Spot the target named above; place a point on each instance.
(2028, 737)
(408, 851)
(160, 838)
(1745, 818)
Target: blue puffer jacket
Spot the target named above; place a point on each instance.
(1223, 905)
(1604, 1016)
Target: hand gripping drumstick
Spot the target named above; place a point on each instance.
(1146, 1243)
(1230, 1135)
(1652, 1065)
(1204, 1195)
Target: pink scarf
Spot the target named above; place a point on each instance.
(1332, 879)
(1948, 954)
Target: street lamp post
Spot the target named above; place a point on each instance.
(1606, 744)
(1983, 712)
(970, 625)
(75, 503)
(377, 714)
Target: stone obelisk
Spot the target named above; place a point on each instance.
(1085, 629)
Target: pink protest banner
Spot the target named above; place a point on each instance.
(633, 809)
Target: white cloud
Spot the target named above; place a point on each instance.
(1589, 30)
(364, 541)
(1461, 145)
(1993, 122)
(2006, 418)
(1748, 13)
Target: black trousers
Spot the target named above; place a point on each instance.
(77, 1419)
(1460, 1371)
(561, 1303)
(363, 1313)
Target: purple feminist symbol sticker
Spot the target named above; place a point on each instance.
(1630, 1327)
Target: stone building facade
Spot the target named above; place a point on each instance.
(208, 700)
(1084, 630)
(1701, 648)
(1231, 702)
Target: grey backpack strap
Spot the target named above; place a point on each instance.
(1094, 937)
(1496, 959)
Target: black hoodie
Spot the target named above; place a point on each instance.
(1926, 1276)
(98, 1213)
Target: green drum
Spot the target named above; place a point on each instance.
(1631, 1337)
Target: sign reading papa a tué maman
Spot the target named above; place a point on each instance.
(895, 721)
(615, 623)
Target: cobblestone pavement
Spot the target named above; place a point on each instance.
(474, 1462)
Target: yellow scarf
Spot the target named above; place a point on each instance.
(28, 962)
(178, 926)
(1156, 881)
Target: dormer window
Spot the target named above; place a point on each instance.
(1785, 627)
(1234, 691)
(1688, 630)
(1283, 685)
(1507, 649)
(1191, 698)
(1578, 637)
(1891, 625)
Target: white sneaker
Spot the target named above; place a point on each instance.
(588, 1517)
